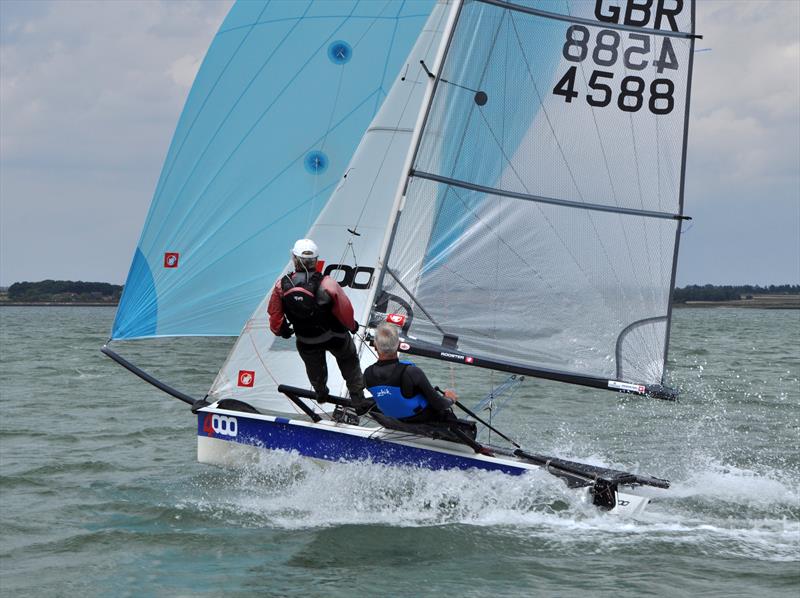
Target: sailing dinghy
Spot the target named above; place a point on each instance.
(513, 202)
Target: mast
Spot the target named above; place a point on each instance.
(399, 201)
(682, 189)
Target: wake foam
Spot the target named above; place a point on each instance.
(724, 510)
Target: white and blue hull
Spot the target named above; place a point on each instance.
(227, 438)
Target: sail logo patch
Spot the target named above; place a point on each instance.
(221, 425)
(404, 346)
(398, 319)
(617, 385)
(171, 259)
(246, 378)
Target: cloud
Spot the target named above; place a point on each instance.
(90, 93)
(745, 127)
(184, 70)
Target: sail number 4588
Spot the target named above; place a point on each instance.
(630, 92)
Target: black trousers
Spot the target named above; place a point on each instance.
(428, 415)
(344, 350)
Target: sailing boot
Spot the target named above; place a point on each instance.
(360, 403)
(345, 415)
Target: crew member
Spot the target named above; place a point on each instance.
(317, 311)
(400, 389)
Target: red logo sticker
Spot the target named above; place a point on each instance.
(469, 359)
(398, 319)
(171, 259)
(404, 346)
(320, 265)
(246, 378)
(208, 426)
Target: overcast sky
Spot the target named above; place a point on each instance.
(90, 93)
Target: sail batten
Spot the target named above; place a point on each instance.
(550, 200)
(574, 19)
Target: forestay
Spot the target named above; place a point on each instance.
(350, 232)
(278, 107)
(542, 214)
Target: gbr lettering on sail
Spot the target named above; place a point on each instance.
(620, 69)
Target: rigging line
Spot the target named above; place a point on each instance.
(591, 22)
(563, 156)
(431, 40)
(415, 300)
(365, 343)
(224, 120)
(499, 238)
(208, 96)
(473, 286)
(258, 354)
(263, 363)
(611, 180)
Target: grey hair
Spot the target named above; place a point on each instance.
(387, 338)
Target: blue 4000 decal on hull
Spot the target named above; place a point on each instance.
(332, 445)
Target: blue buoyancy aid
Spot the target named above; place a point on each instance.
(389, 396)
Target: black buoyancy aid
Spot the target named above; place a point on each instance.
(302, 307)
(388, 393)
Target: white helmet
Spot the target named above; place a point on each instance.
(305, 248)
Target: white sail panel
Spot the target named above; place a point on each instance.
(350, 232)
(540, 223)
(533, 284)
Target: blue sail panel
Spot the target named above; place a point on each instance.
(275, 113)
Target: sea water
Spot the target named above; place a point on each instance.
(101, 495)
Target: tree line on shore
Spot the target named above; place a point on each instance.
(711, 292)
(64, 291)
(68, 291)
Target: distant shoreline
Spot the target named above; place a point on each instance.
(766, 303)
(55, 304)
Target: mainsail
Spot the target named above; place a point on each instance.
(540, 224)
(276, 111)
(350, 232)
